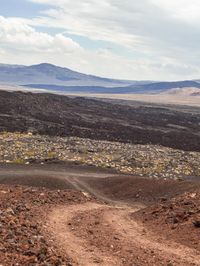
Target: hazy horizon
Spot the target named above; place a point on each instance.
(118, 78)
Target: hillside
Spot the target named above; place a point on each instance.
(50, 74)
(50, 114)
(60, 79)
(67, 215)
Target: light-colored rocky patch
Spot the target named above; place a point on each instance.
(144, 160)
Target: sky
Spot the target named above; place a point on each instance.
(125, 39)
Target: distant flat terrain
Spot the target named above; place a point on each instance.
(149, 98)
(169, 97)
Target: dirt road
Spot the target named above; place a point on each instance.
(101, 231)
(113, 239)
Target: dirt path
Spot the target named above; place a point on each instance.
(147, 249)
(100, 234)
(80, 184)
(59, 178)
(76, 247)
(135, 233)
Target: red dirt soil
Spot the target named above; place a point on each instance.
(105, 223)
(175, 219)
(22, 214)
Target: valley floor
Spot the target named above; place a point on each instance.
(147, 98)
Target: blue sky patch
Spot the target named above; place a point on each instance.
(21, 8)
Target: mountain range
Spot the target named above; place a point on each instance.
(55, 78)
(50, 74)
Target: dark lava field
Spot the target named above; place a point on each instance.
(138, 123)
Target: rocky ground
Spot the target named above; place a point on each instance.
(136, 123)
(22, 238)
(70, 215)
(177, 219)
(143, 160)
(63, 227)
(97, 183)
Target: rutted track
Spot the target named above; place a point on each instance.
(83, 250)
(135, 246)
(77, 248)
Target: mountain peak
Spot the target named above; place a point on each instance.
(46, 73)
(44, 66)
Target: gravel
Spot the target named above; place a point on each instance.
(152, 161)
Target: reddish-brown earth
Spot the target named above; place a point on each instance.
(96, 218)
(113, 238)
(22, 214)
(177, 219)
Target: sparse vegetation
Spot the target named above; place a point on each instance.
(19, 161)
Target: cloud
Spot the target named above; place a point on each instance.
(151, 27)
(185, 10)
(17, 35)
(161, 37)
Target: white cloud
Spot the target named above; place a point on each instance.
(15, 34)
(181, 9)
(163, 36)
(147, 26)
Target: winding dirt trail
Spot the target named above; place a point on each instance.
(136, 235)
(146, 249)
(77, 248)
(117, 216)
(100, 233)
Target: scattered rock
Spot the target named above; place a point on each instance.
(22, 235)
(143, 160)
(197, 223)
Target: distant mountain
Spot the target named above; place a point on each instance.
(55, 78)
(50, 74)
(89, 89)
(152, 88)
